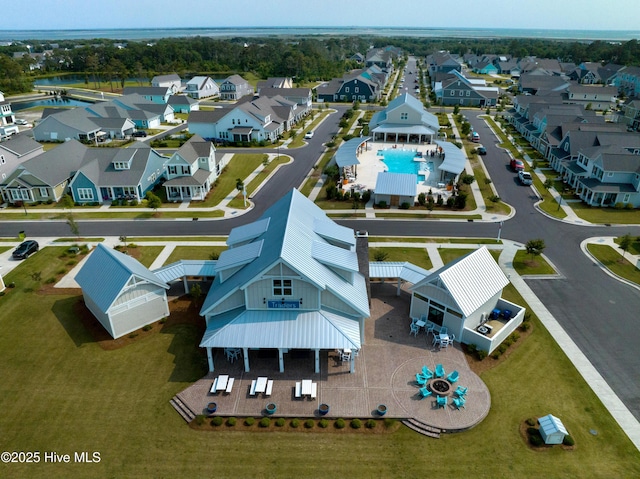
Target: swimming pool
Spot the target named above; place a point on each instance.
(403, 161)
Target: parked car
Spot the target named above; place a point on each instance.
(26, 249)
(475, 137)
(139, 134)
(481, 150)
(525, 177)
(20, 121)
(517, 165)
(308, 135)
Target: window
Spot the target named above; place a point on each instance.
(20, 195)
(453, 93)
(461, 93)
(468, 92)
(282, 287)
(356, 90)
(404, 116)
(626, 197)
(172, 169)
(44, 192)
(85, 194)
(346, 89)
(609, 174)
(121, 165)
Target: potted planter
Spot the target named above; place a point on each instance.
(381, 409)
(271, 408)
(324, 409)
(212, 407)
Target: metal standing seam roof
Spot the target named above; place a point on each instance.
(334, 256)
(283, 328)
(107, 271)
(288, 239)
(403, 184)
(346, 154)
(397, 269)
(551, 424)
(454, 158)
(333, 232)
(471, 280)
(183, 268)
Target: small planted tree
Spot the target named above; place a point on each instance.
(153, 201)
(535, 247)
(625, 243)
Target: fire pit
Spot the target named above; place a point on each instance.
(441, 387)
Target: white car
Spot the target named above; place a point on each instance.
(308, 135)
(525, 178)
(20, 121)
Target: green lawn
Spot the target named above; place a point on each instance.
(145, 254)
(524, 264)
(180, 239)
(613, 261)
(62, 392)
(634, 248)
(193, 252)
(240, 166)
(415, 255)
(238, 201)
(606, 215)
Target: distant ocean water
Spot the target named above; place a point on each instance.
(151, 34)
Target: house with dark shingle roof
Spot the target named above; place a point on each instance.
(202, 87)
(171, 81)
(156, 94)
(235, 87)
(15, 151)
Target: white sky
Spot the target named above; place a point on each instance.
(533, 14)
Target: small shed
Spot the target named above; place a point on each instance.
(552, 430)
(396, 188)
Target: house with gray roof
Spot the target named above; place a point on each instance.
(183, 104)
(192, 170)
(202, 87)
(235, 87)
(627, 79)
(358, 85)
(595, 97)
(205, 122)
(15, 151)
(7, 118)
(274, 82)
(120, 292)
(44, 177)
(288, 281)
(171, 81)
(463, 91)
(404, 120)
(465, 297)
(156, 94)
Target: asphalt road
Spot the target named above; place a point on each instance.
(597, 311)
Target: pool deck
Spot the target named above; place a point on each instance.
(371, 164)
(384, 373)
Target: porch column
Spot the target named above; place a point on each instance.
(210, 359)
(361, 330)
(281, 359)
(317, 360)
(245, 352)
(186, 284)
(398, 288)
(352, 367)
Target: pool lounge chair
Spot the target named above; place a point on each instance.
(440, 373)
(453, 377)
(424, 393)
(461, 391)
(459, 402)
(441, 401)
(420, 379)
(426, 372)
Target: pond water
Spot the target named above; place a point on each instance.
(50, 102)
(70, 79)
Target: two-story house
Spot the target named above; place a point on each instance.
(7, 118)
(459, 90)
(404, 120)
(156, 94)
(192, 170)
(288, 281)
(202, 87)
(16, 151)
(171, 81)
(595, 97)
(235, 87)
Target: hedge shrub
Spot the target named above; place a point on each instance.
(216, 421)
(339, 424)
(250, 421)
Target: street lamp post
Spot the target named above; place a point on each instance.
(499, 231)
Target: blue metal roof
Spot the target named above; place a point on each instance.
(454, 158)
(397, 269)
(346, 154)
(403, 184)
(288, 239)
(107, 271)
(183, 268)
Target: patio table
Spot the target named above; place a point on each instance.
(261, 384)
(307, 387)
(221, 385)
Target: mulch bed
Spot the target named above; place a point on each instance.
(545, 447)
(240, 426)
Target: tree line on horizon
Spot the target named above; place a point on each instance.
(305, 59)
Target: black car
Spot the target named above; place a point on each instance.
(481, 150)
(139, 134)
(26, 249)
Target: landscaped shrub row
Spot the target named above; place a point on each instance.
(310, 423)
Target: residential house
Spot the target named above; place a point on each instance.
(463, 91)
(7, 118)
(302, 97)
(275, 82)
(143, 112)
(631, 109)
(108, 174)
(381, 58)
(594, 97)
(171, 81)
(200, 87)
(205, 122)
(120, 292)
(485, 67)
(465, 296)
(183, 104)
(235, 87)
(442, 62)
(156, 94)
(15, 151)
(192, 170)
(44, 177)
(404, 120)
(628, 81)
(358, 85)
(531, 83)
(294, 276)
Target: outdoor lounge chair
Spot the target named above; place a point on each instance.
(453, 377)
(443, 330)
(461, 391)
(425, 393)
(459, 402)
(414, 329)
(420, 379)
(440, 373)
(441, 401)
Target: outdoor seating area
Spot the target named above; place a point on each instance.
(382, 367)
(232, 354)
(222, 383)
(440, 384)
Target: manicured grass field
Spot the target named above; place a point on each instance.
(524, 264)
(606, 215)
(193, 252)
(417, 255)
(62, 392)
(612, 260)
